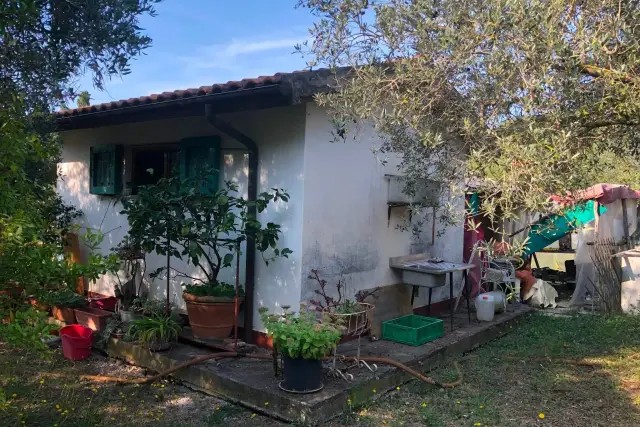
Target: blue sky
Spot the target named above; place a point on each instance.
(202, 42)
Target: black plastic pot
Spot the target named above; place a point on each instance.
(302, 375)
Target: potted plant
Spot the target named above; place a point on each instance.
(132, 262)
(115, 328)
(212, 301)
(63, 303)
(303, 341)
(156, 332)
(355, 313)
(207, 228)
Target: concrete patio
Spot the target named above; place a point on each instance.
(251, 382)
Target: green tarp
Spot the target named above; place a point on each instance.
(554, 227)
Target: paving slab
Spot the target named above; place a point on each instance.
(252, 383)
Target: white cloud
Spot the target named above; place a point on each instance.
(236, 48)
(226, 56)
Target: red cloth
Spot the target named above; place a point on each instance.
(602, 193)
(526, 281)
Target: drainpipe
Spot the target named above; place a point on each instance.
(252, 193)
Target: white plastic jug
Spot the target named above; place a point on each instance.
(499, 300)
(485, 307)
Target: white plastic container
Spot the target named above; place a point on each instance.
(499, 300)
(485, 307)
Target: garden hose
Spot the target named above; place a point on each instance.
(221, 355)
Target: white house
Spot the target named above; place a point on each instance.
(270, 133)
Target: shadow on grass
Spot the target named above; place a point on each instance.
(579, 371)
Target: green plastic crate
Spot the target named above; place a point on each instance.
(412, 329)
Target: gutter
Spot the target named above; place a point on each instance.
(252, 192)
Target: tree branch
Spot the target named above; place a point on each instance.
(606, 123)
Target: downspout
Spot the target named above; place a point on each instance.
(252, 193)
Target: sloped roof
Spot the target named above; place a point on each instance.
(191, 93)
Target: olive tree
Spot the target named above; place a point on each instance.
(520, 98)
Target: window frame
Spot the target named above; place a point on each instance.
(113, 171)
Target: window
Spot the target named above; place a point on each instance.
(150, 163)
(105, 167)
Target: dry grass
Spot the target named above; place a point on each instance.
(581, 371)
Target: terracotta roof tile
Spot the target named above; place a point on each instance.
(230, 86)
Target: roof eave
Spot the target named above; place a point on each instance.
(267, 96)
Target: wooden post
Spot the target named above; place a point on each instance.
(625, 224)
(596, 214)
(167, 307)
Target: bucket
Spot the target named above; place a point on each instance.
(301, 375)
(76, 342)
(485, 307)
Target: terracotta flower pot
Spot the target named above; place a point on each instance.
(64, 314)
(211, 317)
(92, 318)
(38, 305)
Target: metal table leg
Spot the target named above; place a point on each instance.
(451, 302)
(467, 293)
(429, 306)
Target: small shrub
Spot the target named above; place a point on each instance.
(301, 336)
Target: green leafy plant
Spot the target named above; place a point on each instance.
(153, 307)
(63, 298)
(27, 329)
(155, 330)
(219, 289)
(114, 326)
(302, 335)
(206, 228)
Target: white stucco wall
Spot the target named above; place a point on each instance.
(345, 215)
(279, 133)
(336, 220)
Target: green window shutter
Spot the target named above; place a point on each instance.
(197, 153)
(105, 169)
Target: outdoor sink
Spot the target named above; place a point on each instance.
(427, 280)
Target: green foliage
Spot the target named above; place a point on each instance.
(27, 329)
(207, 230)
(100, 36)
(155, 330)
(84, 99)
(521, 99)
(301, 336)
(39, 265)
(64, 297)
(216, 289)
(151, 307)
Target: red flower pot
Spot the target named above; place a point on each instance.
(64, 314)
(103, 302)
(93, 318)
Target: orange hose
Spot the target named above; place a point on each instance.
(369, 359)
(410, 371)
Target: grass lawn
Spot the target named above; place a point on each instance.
(550, 371)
